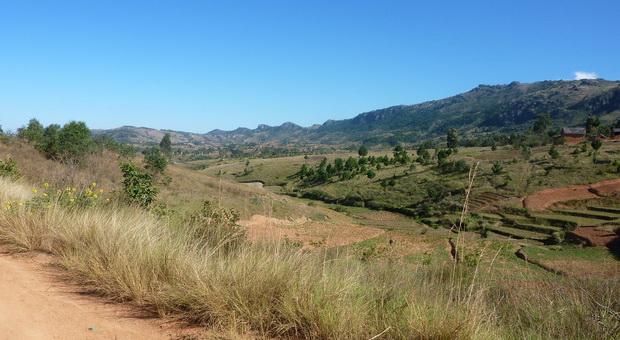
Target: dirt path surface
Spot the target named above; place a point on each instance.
(35, 305)
(543, 199)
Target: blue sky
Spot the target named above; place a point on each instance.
(201, 65)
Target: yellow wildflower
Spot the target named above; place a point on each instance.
(94, 184)
(34, 190)
(71, 200)
(72, 189)
(101, 191)
(107, 200)
(44, 195)
(46, 185)
(95, 196)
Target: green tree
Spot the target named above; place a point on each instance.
(541, 123)
(596, 144)
(592, 123)
(166, 145)
(392, 182)
(155, 160)
(423, 155)
(303, 171)
(362, 151)
(33, 133)
(554, 153)
(442, 155)
(74, 143)
(371, 174)
(497, 168)
(453, 139)
(49, 146)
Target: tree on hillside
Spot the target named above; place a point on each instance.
(442, 155)
(49, 146)
(138, 186)
(33, 133)
(596, 144)
(592, 124)
(166, 145)
(554, 153)
(423, 155)
(541, 123)
(362, 151)
(497, 168)
(74, 143)
(526, 151)
(453, 139)
(155, 160)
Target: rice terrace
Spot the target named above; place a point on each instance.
(135, 204)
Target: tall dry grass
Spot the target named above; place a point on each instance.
(271, 290)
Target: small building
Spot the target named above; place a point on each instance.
(615, 134)
(573, 135)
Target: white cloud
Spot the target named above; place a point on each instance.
(585, 75)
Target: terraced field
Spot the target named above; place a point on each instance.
(485, 199)
(541, 226)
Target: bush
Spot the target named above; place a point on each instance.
(138, 186)
(556, 237)
(497, 168)
(554, 153)
(8, 168)
(155, 160)
(458, 167)
(217, 227)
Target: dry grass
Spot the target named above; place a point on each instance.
(270, 290)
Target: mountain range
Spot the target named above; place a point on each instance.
(484, 109)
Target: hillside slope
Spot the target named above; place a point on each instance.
(486, 108)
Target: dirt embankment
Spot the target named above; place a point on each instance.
(543, 199)
(310, 234)
(35, 305)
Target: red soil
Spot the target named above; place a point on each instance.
(543, 199)
(595, 237)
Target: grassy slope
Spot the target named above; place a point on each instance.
(519, 178)
(188, 190)
(129, 255)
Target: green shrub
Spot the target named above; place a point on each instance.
(138, 186)
(155, 160)
(497, 168)
(556, 237)
(8, 168)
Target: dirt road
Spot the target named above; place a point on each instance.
(35, 305)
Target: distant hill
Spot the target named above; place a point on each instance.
(486, 108)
